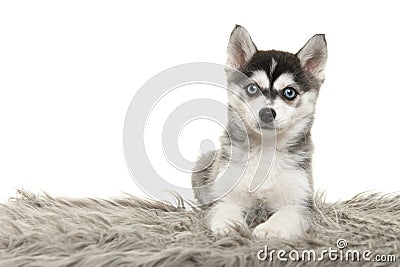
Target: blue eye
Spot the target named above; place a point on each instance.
(289, 93)
(252, 89)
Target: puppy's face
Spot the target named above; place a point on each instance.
(274, 90)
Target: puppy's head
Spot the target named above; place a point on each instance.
(274, 90)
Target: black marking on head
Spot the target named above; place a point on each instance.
(271, 93)
(285, 63)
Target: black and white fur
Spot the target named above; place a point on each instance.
(287, 193)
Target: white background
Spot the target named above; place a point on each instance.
(69, 69)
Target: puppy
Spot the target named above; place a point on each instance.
(266, 151)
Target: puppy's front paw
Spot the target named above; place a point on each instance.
(270, 230)
(285, 223)
(225, 218)
(221, 228)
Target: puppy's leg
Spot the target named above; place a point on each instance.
(224, 216)
(287, 222)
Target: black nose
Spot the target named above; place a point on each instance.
(267, 115)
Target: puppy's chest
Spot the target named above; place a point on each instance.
(268, 173)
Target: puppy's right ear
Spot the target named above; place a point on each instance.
(240, 47)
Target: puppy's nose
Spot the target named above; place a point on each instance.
(267, 115)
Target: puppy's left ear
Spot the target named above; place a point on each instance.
(240, 47)
(313, 56)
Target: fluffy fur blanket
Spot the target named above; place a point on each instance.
(48, 231)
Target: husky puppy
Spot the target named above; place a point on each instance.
(270, 111)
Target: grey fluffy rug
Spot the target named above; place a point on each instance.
(47, 231)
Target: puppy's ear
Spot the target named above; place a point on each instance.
(240, 47)
(313, 56)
